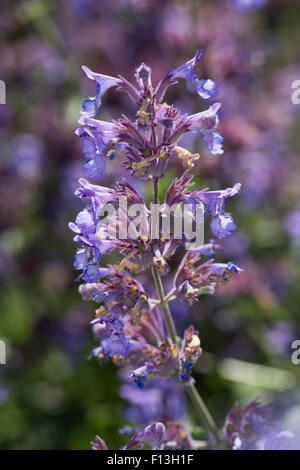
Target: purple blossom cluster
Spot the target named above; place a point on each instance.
(250, 51)
(133, 321)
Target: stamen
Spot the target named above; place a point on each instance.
(188, 158)
(101, 311)
(140, 167)
(126, 264)
(142, 113)
(136, 311)
(191, 294)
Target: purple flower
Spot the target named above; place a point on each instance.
(97, 145)
(153, 434)
(85, 222)
(214, 142)
(206, 120)
(91, 273)
(222, 224)
(143, 77)
(177, 437)
(130, 315)
(207, 123)
(113, 324)
(223, 269)
(205, 88)
(98, 444)
(278, 440)
(252, 428)
(140, 375)
(157, 399)
(81, 259)
(90, 106)
(209, 249)
(95, 167)
(99, 195)
(115, 345)
(244, 5)
(195, 277)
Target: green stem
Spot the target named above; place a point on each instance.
(203, 412)
(164, 305)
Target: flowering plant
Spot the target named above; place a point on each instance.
(133, 323)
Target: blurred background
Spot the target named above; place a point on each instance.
(51, 397)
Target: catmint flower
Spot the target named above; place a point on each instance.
(153, 434)
(159, 398)
(98, 444)
(222, 224)
(118, 298)
(177, 436)
(103, 141)
(278, 440)
(129, 324)
(143, 77)
(252, 428)
(140, 375)
(104, 82)
(245, 5)
(205, 88)
(157, 435)
(115, 345)
(196, 277)
(207, 122)
(98, 145)
(223, 269)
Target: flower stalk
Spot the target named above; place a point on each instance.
(202, 410)
(134, 330)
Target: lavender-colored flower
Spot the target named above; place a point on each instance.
(158, 399)
(91, 105)
(196, 277)
(252, 428)
(278, 440)
(132, 326)
(207, 123)
(134, 140)
(177, 437)
(171, 435)
(205, 88)
(222, 224)
(141, 374)
(223, 269)
(98, 145)
(115, 345)
(153, 434)
(98, 444)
